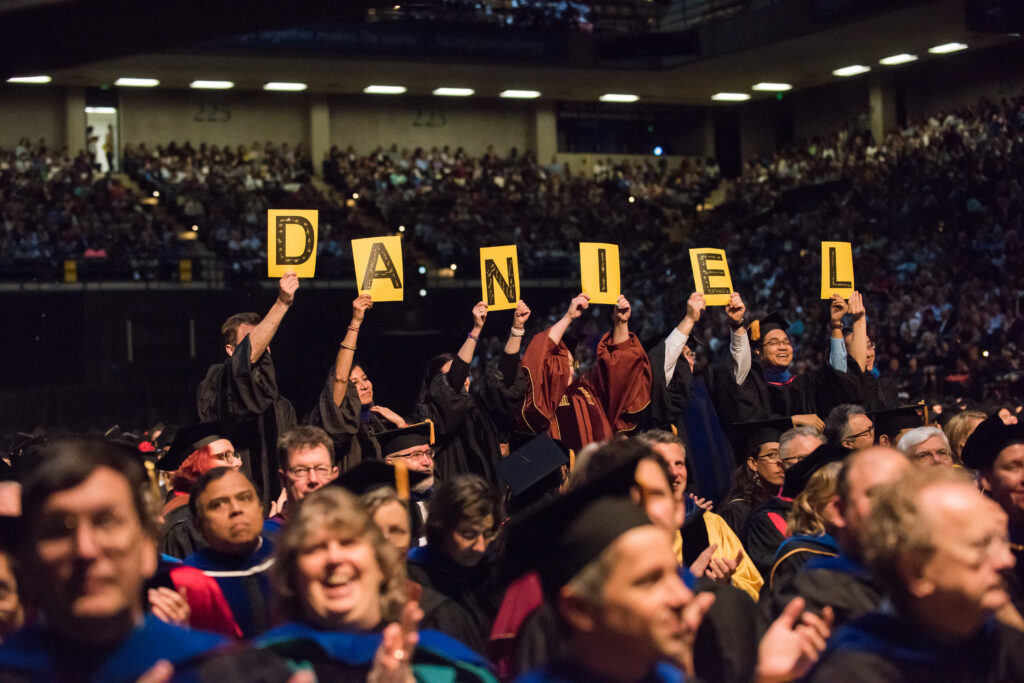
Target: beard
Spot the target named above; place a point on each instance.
(424, 485)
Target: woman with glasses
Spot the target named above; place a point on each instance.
(463, 518)
(344, 598)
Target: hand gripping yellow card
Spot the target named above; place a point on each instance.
(378, 262)
(291, 242)
(711, 275)
(836, 269)
(599, 271)
(499, 277)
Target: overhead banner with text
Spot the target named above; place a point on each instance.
(291, 242)
(499, 277)
(836, 269)
(378, 262)
(599, 272)
(711, 275)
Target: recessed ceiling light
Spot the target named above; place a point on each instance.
(901, 58)
(614, 97)
(100, 110)
(384, 89)
(520, 94)
(772, 87)
(285, 87)
(211, 85)
(730, 97)
(29, 79)
(851, 70)
(454, 92)
(137, 82)
(946, 48)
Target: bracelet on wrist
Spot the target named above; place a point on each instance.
(346, 346)
(471, 336)
(517, 332)
(353, 328)
(836, 326)
(735, 324)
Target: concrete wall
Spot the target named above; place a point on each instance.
(757, 128)
(233, 118)
(368, 123)
(966, 78)
(31, 111)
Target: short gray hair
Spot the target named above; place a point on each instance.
(837, 424)
(918, 436)
(800, 430)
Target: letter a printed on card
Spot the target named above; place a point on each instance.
(378, 262)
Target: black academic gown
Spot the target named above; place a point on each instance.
(794, 553)
(726, 647)
(446, 616)
(351, 428)
(245, 391)
(835, 581)
(887, 647)
(873, 393)
(475, 589)
(764, 531)
(179, 537)
(466, 438)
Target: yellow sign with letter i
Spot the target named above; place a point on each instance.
(599, 272)
(836, 269)
(378, 262)
(291, 242)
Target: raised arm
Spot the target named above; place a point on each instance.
(576, 307)
(469, 346)
(739, 344)
(259, 338)
(620, 331)
(677, 338)
(837, 346)
(859, 341)
(347, 350)
(515, 335)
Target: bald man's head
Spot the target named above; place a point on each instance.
(863, 472)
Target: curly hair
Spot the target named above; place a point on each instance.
(807, 513)
(339, 511)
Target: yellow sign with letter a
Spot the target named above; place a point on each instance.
(291, 242)
(711, 275)
(836, 269)
(499, 277)
(599, 272)
(378, 262)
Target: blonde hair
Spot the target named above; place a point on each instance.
(337, 510)
(958, 429)
(807, 513)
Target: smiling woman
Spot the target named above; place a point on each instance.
(343, 586)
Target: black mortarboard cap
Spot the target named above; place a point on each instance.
(419, 434)
(799, 474)
(988, 439)
(759, 328)
(190, 439)
(753, 434)
(531, 462)
(894, 420)
(374, 474)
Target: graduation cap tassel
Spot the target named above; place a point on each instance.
(154, 483)
(755, 330)
(402, 480)
(431, 423)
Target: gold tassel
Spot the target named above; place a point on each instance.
(402, 480)
(755, 330)
(572, 459)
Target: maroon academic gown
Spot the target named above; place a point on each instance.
(604, 401)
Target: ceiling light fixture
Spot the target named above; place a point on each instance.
(730, 97)
(946, 48)
(772, 87)
(137, 82)
(102, 110)
(211, 85)
(854, 70)
(454, 92)
(29, 79)
(520, 94)
(618, 97)
(902, 58)
(384, 89)
(284, 87)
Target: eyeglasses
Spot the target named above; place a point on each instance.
(106, 527)
(778, 342)
(870, 430)
(940, 454)
(770, 457)
(303, 472)
(426, 453)
(230, 456)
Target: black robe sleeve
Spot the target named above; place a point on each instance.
(668, 397)
(501, 393)
(353, 443)
(726, 645)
